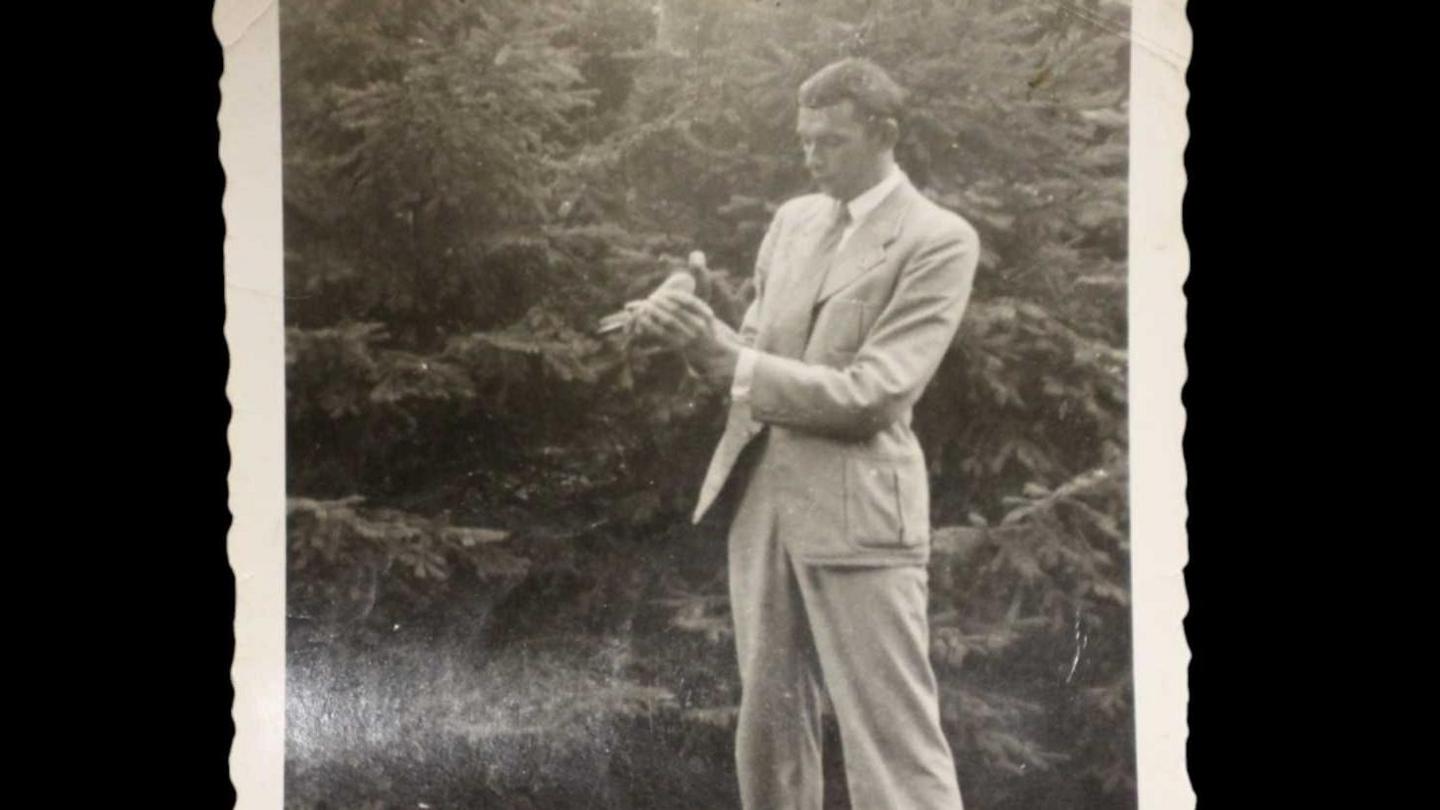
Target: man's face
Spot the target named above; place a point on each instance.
(843, 156)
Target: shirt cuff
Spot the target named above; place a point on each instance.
(744, 373)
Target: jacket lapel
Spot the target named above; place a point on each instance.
(787, 324)
(866, 248)
(804, 287)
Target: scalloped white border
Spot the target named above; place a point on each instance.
(1159, 262)
(254, 329)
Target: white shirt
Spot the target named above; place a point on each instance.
(860, 207)
(863, 205)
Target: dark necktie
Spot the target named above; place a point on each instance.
(830, 241)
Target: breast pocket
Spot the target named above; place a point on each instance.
(886, 502)
(841, 325)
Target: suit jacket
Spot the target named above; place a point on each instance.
(843, 356)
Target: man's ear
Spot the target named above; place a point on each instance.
(887, 131)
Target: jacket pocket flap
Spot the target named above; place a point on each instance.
(884, 502)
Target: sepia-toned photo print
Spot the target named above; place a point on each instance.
(706, 404)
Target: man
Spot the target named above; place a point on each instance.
(860, 290)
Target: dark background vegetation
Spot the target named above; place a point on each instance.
(494, 598)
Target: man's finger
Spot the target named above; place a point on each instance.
(647, 315)
(679, 299)
(674, 301)
(694, 325)
(670, 322)
(677, 328)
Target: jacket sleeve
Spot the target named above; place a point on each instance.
(710, 367)
(894, 364)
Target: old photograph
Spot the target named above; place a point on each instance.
(705, 404)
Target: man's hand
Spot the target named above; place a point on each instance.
(686, 323)
(677, 318)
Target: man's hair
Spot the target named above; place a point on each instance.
(875, 95)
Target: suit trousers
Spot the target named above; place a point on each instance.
(862, 633)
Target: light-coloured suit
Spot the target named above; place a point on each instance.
(830, 533)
